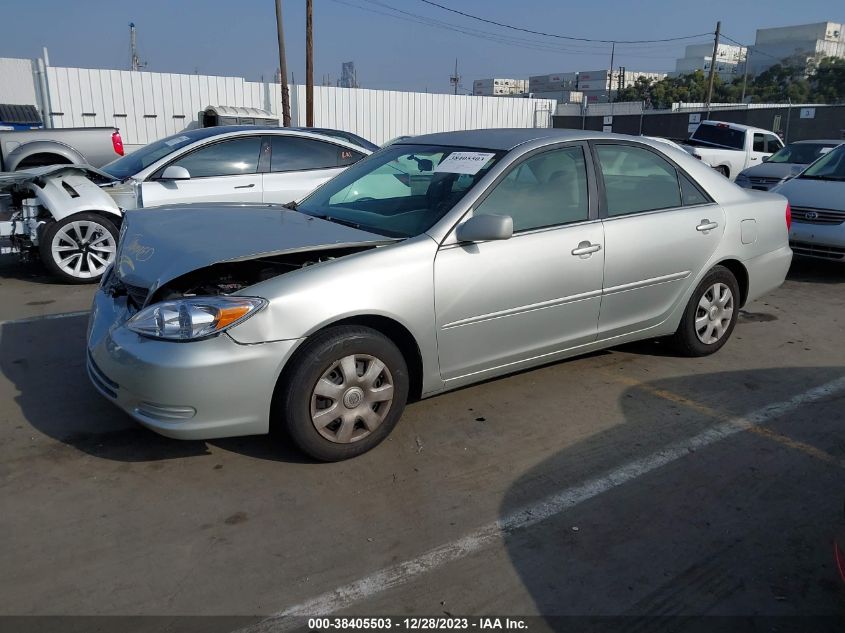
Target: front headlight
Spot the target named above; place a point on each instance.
(193, 318)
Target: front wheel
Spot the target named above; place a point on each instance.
(345, 392)
(710, 315)
(79, 248)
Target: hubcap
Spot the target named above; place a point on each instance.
(352, 398)
(714, 313)
(83, 249)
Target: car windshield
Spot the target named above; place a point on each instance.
(831, 166)
(800, 153)
(131, 164)
(720, 134)
(402, 190)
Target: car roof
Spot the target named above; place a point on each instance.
(503, 138)
(199, 134)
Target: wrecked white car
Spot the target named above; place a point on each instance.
(57, 212)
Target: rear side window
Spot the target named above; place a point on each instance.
(690, 193)
(293, 153)
(637, 180)
(720, 135)
(237, 156)
(759, 143)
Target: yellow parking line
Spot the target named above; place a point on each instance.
(783, 440)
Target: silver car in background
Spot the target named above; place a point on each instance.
(817, 198)
(437, 262)
(784, 164)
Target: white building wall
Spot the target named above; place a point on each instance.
(147, 106)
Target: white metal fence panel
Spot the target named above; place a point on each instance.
(147, 106)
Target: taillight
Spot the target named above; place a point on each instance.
(117, 143)
(788, 217)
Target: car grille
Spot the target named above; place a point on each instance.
(763, 182)
(818, 250)
(137, 296)
(817, 216)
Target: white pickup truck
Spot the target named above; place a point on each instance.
(730, 147)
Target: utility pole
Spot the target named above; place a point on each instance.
(455, 79)
(745, 75)
(309, 64)
(713, 67)
(283, 66)
(610, 83)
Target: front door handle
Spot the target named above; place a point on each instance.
(706, 225)
(586, 249)
(249, 186)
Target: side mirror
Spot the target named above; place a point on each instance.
(483, 228)
(175, 172)
(765, 158)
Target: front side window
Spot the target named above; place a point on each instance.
(637, 180)
(238, 156)
(773, 143)
(402, 190)
(545, 190)
(294, 153)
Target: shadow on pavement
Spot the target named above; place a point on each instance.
(45, 361)
(816, 271)
(737, 536)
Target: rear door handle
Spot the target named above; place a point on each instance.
(249, 186)
(706, 225)
(585, 248)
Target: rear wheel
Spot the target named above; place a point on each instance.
(346, 391)
(710, 315)
(79, 248)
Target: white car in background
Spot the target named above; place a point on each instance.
(229, 164)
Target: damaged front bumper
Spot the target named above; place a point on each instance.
(186, 390)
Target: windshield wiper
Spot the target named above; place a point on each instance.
(354, 225)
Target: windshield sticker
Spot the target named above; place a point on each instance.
(177, 140)
(463, 163)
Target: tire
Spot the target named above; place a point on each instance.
(706, 324)
(318, 386)
(90, 236)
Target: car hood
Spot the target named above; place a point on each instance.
(815, 194)
(161, 244)
(774, 170)
(38, 175)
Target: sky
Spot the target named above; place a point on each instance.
(391, 50)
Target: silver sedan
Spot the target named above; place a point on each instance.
(437, 262)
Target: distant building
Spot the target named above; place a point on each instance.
(730, 60)
(599, 86)
(498, 87)
(348, 76)
(553, 83)
(805, 43)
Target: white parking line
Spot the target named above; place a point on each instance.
(46, 317)
(391, 577)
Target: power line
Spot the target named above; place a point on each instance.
(749, 47)
(562, 37)
(495, 37)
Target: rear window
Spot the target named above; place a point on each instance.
(724, 136)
